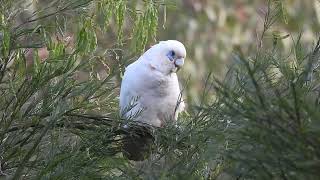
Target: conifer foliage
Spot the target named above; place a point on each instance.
(59, 115)
(59, 110)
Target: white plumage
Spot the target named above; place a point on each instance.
(150, 90)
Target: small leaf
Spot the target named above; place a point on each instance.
(5, 47)
(284, 12)
(120, 12)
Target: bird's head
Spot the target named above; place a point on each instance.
(166, 56)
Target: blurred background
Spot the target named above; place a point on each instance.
(212, 31)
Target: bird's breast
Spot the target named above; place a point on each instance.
(164, 93)
(163, 86)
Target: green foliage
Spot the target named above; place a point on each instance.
(145, 21)
(146, 26)
(87, 38)
(59, 115)
(273, 109)
(109, 7)
(271, 101)
(59, 110)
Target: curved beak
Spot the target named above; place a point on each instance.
(178, 63)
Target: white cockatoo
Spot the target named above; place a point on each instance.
(150, 90)
(150, 94)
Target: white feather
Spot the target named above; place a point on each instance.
(150, 90)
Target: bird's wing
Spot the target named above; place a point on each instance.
(130, 105)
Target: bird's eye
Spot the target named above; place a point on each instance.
(172, 53)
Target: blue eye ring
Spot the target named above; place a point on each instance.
(171, 55)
